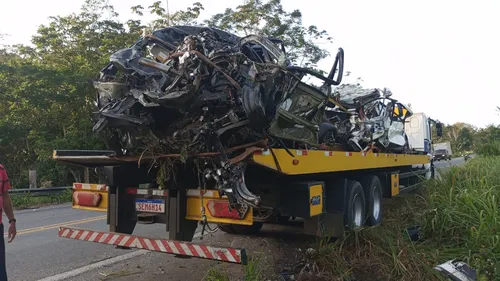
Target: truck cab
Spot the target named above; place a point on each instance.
(418, 130)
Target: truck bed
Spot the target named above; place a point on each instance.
(302, 161)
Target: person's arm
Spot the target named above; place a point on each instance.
(7, 206)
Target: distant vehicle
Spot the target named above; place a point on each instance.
(467, 156)
(443, 145)
(441, 154)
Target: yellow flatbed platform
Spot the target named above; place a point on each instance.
(302, 162)
(321, 161)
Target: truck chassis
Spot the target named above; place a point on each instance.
(330, 190)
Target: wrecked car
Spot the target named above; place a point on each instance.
(372, 120)
(186, 91)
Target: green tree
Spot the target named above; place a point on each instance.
(48, 102)
(46, 94)
(269, 18)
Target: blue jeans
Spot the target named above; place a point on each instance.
(3, 269)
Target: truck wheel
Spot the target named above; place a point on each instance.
(241, 229)
(373, 194)
(355, 211)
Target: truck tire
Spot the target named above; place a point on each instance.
(355, 211)
(373, 195)
(241, 229)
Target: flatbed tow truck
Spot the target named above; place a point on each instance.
(330, 190)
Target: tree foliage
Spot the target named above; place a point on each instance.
(270, 19)
(47, 97)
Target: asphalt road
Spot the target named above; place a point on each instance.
(452, 162)
(38, 253)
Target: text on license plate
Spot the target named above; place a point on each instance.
(149, 205)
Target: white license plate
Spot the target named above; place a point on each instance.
(150, 205)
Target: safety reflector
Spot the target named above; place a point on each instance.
(87, 199)
(220, 209)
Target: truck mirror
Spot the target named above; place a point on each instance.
(439, 129)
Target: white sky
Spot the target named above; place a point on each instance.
(442, 57)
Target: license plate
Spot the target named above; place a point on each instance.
(150, 205)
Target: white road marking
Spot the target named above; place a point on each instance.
(83, 269)
(78, 271)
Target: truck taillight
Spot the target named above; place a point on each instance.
(220, 209)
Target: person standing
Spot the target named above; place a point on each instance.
(5, 205)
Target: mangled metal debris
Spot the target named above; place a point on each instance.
(194, 91)
(372, 120)
(457, 271)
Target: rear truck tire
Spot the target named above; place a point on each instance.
(241, 229)
(355, 212)
(373, 195)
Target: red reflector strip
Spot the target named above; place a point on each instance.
(90, 186)
(301, 152)
(263, 152)
(232, 255)
(220, 209)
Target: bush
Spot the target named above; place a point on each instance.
(27, 200)
(491, 148)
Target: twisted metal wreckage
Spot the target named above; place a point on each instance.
(207, 94)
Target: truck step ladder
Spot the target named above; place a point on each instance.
(232, 255)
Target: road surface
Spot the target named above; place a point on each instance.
(452, 162)
(38, 253)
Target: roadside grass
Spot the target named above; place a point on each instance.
(217, 274)
(457, 216)
(253, 271)
(27, 200)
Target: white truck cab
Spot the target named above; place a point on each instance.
(418, 131)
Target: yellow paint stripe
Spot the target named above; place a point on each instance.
(57, 225)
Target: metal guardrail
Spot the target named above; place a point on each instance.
(40, 191)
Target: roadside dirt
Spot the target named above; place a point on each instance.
(275, 252)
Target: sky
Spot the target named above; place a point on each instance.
(441, 57)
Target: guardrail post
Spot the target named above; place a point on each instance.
(32, 178)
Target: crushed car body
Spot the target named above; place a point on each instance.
(191, 92)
